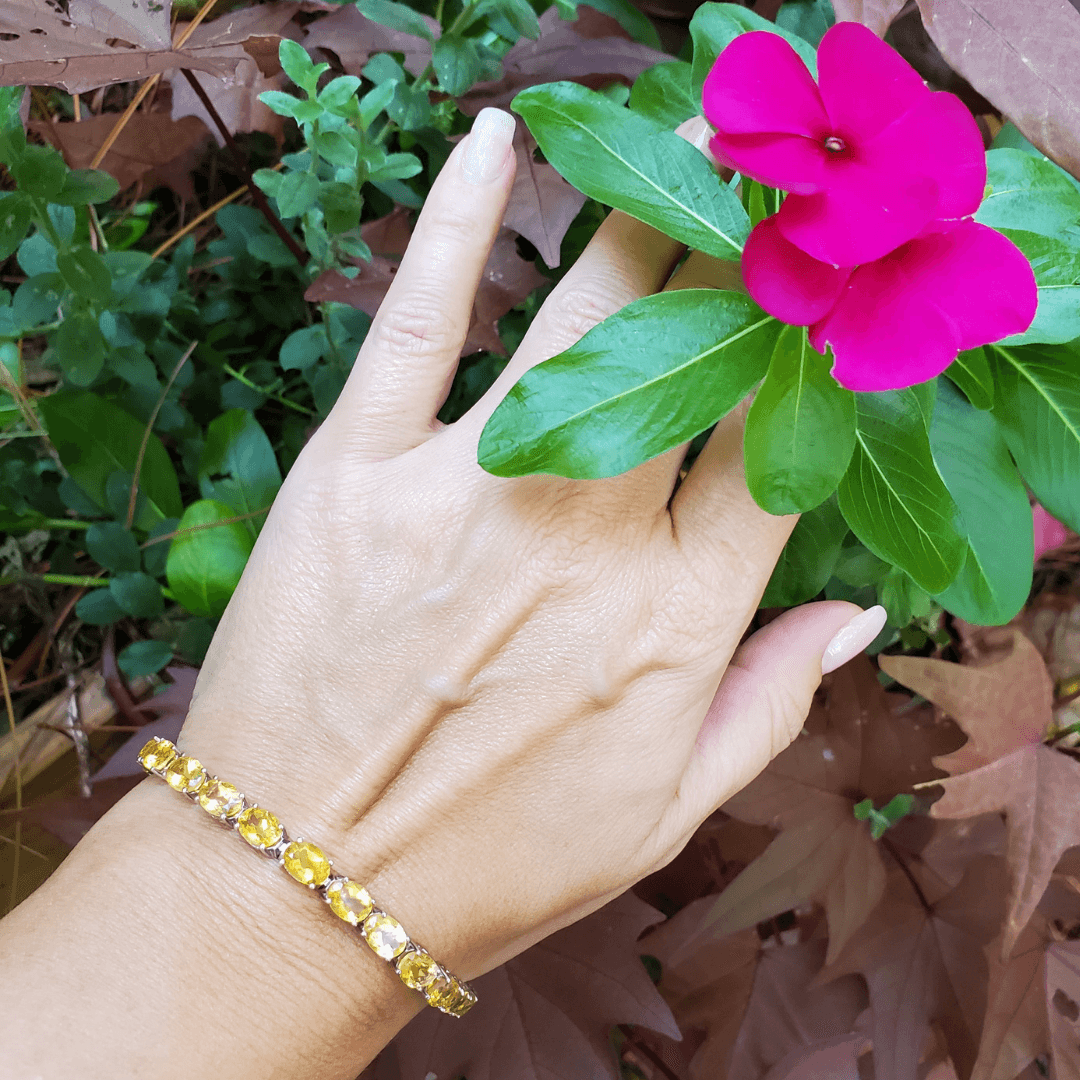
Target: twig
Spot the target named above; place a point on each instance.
(133, 498)
(20, 398)
(146, 87)
(76, 107)
(633, 1044)
(890, 847)
(18, 785)
(241, 378)
(205, 525)
(257, 195)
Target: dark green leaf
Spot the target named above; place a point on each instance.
(154, 555)
(98, 608)
(297, 193)
(94, 438)
(137, 594)
(15, 217)
(892, 496)
(238, 466)
(303, 347)
(646, 379)
(396, 16)
(518, 13)
(205, 565)
(79, 348)
(112, 546)
(800, 431)
(457, 63)
(1038, 408)
(636, 24)
(995, 515)
(40, 171)
(971, 372)
(624, 160)
(85, 274)
(808, 558)
(82, 186)
(807, 18)
(715, 26)
(662, 93)
(142, 658)
(37, 255)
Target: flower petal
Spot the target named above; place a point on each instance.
(903, 318)
(938, 138)
(786, 282)
(860, 214)
(864, 83)
(758, 85)
(791, 162)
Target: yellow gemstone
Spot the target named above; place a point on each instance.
(156, 754)
(185, 774)
(462, 1002)
(306, 863)
(259, 827)
(349, 901)
(440, 991)
(417, 969)
(385, 935)
(220, 799)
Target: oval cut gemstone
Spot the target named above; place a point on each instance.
(349, 901)
(440, 991)
(417, 969)
(305, 862)
(156, 754)
(385, 935)
(220, 799)
(259, 827)
(462, 1001)
(185, 774)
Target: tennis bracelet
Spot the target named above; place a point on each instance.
(307, 864)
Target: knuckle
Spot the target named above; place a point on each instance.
(415, 330)
(572, 313)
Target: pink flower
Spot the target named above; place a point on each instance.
(900, 319)
(868, 153)
(1049, 532)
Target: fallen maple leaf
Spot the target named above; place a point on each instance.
(546, 1013)
(1028, 67)
(353, 39)
(877, 14)
(923, 962)
(148, 141)
(836, 1059)
(1063, 1007)
(43, 46)
(542, 204)
(1001, 706)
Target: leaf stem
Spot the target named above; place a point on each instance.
(269, 393)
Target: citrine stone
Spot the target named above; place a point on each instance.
(349, 901)
(440, 991)
(462, 1001)
(220, 799)
(185, 774)
(306, 863)
(385, 935)
(417, 969)
(156, 754)
(259, 827)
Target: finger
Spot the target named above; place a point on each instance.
(402, 374)
(763, 700)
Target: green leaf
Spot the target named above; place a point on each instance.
(971, 455)
(37, 255)
(807, 18)
(82, 186)
(303, 347)
(892, 496)
(154, 555)
(299, 66)
(339, 92)
(79, 348)
(971, 372)
(800, 431)
(98, 608)
(1036, 206)
(1038, 408)
(298, 193)
(457, 63)
(375, 101)
(808, 558)
(205, 565)
(137, 594)
(334, 147)
(142, 658)
(636, 24)
(94, 438)
(268, 180)
(85, 274)
(238, 466)
(396, 16)
(15, 218)
(40, 171)
(662, 93)
(396, 167)
(281, 103)
(624, 160)
(644, 380)
(518, 13)
(715, 26)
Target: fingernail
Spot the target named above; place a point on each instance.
(487, 146)
(853, 638)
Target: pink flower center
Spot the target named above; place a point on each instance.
(835, 145)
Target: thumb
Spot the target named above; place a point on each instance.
(765, 695)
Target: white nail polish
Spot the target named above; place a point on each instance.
(853, 638)
(487, 145)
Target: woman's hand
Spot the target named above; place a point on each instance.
(495, 701)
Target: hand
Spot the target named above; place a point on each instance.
(500, 702)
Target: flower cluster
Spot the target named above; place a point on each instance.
(874, 247)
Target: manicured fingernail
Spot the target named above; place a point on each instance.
(853, 638)
(487, 146)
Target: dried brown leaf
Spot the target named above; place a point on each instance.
(877, 14)
(1063, 1007)
(836, 1058)
(143, 21)
(546, 1013)
(1023, 59)
(1001, 707)
(43, 46)
(1037, 787)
